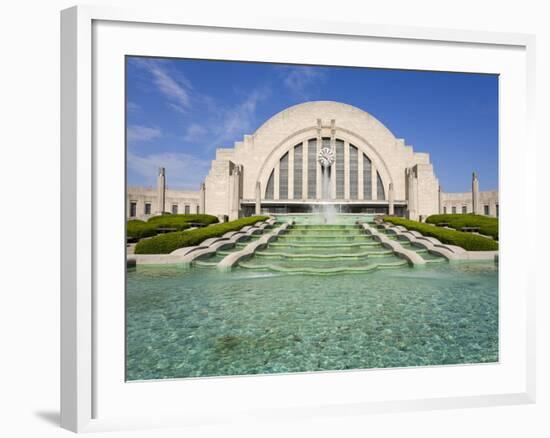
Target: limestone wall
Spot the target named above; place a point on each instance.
(217, 185)
(428, 190)
(143, 195)
(260, 153)
(464, 199)
(235, 172)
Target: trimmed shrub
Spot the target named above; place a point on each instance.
(136, 229)
(166, 243)
(468, 241)
(487, 225)
(181, 221)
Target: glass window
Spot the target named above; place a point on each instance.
(497, 210)
(197, 209)
(298, 171)
(444, 210)
(174, 208)
(454, 210)
(380, 194)
(367, 178)
(133, 208)
(312, 169)
(187, 209)
(339, 168)
(283, 177)
(486, 210)
(464, 209)
(269, 190)
(147, 208)
(353, 169)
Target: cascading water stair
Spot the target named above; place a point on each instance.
(318, 249)
(213, 260)
(323, 250)
(421, 251)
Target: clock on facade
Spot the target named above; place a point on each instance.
(326, 157)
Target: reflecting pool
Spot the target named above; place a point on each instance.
(255, 319)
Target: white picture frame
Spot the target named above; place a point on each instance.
(87, 377)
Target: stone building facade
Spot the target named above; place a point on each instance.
(309, 155)
(144, 202)
(460, 203)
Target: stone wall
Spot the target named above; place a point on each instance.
(458, 201)
(236, 172)
(259, 154)
(142, 196)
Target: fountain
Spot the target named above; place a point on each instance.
(326, 159)
(323, 243)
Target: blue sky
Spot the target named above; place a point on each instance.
(179, 111)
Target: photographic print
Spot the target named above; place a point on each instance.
(299, 218)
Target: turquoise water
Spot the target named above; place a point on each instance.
(314, 248)
(336, 301)
(204, 323)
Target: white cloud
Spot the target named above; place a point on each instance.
(221, 125)
(177, 108)
(173, 86)
(239, 119)
(303, 80)
(195, 133)
(137, 133)
(183, 171)
(218, 123)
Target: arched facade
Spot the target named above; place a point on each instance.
(276, 169)
(297, 173)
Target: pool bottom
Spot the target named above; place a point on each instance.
(200, 323)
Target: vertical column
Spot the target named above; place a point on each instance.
(360, 170)
(492, 208)
(230, 192)
(161, 190)
(415, 196)
(332, 182)
(258, 209)
(318, 165)
(291, 173)
(332, 170)
(318, 145)
(440, 200)
(346, 171)
(235, 187)
(237, 205)
(202, 200)
(475, 194)
(305, 153)
(412, 183)
(374, 181)
(276, 182)
(390, 200)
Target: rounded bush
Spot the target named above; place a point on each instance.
(487, 225)
(468, 241)
(181, 221)
(166, 243)
(136, 229)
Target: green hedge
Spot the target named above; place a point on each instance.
(136, 229)
(166, 243)
(487, 225)
(181, 221)
(468, 241)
